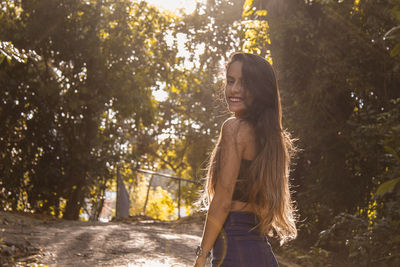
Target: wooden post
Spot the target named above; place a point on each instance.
(179, 199)
(147, 195)
(116, 201)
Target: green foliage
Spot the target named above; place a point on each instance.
(363, 244)
(9, 52)
(77, 99)
(82, 102)
(160, 204)
(387, 186)
(343, 106)
(71, 110)
(188, 121)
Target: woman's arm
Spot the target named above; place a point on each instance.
(232, 147)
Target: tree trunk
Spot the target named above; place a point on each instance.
(98, 206)
(74, 204)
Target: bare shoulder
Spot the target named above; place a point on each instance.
(239, 129)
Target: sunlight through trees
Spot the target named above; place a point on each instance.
(86, 86)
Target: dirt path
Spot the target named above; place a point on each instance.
(73, 243)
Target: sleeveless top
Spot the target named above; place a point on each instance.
(241, 192)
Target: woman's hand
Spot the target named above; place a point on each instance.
(200, 261)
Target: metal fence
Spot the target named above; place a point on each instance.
(123, 196)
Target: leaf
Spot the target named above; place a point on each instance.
(261, 13)
(247, 8)
(387, 186)
(395, 51)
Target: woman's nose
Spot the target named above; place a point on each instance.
(236, 88)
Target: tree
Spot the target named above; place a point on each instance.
(339, 82)
(85, 94)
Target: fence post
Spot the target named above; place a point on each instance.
(147, 195)
(179, 198)
(117, 193)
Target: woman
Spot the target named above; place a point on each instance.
(247, 189)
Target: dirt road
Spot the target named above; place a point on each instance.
(73, 243)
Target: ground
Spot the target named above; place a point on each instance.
(28, 240)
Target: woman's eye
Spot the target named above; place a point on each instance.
(230, 82)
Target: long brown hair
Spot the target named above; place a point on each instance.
(269, 171)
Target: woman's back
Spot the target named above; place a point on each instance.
(241, 192)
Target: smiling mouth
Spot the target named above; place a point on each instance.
(235, 99)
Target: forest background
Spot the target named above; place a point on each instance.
(78, 87)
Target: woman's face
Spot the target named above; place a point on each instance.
(235, 94)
